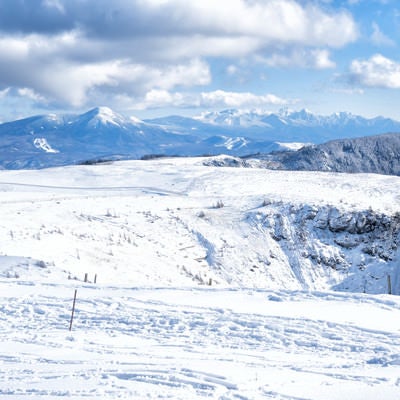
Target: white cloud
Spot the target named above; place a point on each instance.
(348, 91)
(217, 98)
(157, 98)
(121, 77)
(285, 21)
(30, 94)
(56, 4)
(238, 99)
(232, 69)
(322, 59)
(378, 71)
(317, 58)
(39, 65)
(378, 38)
(13, 49)
(261, 22)
(70, 52)
(4, 92)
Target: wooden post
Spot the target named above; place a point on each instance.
(73, 311)
(86, 276)
(95, 278)
(389, 284)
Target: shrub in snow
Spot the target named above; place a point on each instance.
(265, 203)
(201, 214)
(41, 264)
(219, 204)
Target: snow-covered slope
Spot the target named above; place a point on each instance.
(372, 154)
(176, 221)
(210, 283)
(133, 343)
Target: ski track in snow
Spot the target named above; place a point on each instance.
(188, 343)
(111, 189)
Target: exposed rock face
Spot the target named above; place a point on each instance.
(349, 246)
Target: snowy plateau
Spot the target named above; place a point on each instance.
(202, 282)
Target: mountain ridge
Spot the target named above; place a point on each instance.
(53, 140)
(370, 154)
(378, 154)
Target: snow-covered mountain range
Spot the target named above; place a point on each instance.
(287, 126)
(100, 134)
(52, 140)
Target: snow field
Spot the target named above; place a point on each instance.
(129, 342)
(153, 327)
(157, 221)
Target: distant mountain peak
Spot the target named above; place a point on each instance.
(105, 116)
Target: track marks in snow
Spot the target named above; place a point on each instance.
(183, 343)
(200, 381)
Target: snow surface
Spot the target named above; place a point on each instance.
(107, 116)
(155, 234)
(41, 143)
(293, 146)
(133, 343)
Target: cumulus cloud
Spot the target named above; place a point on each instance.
(68, 51)
(378, 71)
(317, 58)
(273, 20)
(4, 92)
(39, 64)
(212, 99)
(30, 94)
(220, 98)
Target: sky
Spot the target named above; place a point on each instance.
(152, 58)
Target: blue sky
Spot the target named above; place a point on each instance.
(158, 57)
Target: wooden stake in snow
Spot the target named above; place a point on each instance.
(389, 284)
(73, 311)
